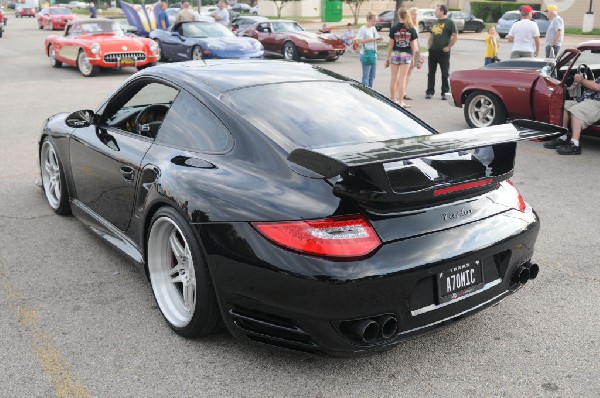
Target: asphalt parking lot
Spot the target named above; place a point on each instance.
(79, 320)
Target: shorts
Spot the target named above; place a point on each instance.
(399, 57)
(587, 111)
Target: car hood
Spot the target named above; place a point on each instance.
(116, 43)
(322, 37)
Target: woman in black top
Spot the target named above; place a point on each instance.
(402, 47)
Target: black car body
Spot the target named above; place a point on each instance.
(299, 235)
(466, 22)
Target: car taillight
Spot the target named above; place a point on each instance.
(521, 205)
(462, 187)
(348, 236)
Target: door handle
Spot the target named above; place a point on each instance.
(127, 173)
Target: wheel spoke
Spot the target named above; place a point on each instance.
(189, 296)
(56, 189)
(176, 247)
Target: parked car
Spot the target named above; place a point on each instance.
(2, 22)
(466, 22)
(256, 214)
(505, 90)
(203, 40)
(94, 43)
(54, 18)
(510, 17)
(24, 11)
(385, 20)
(254, 10)
(289, 39)
(243, 22)
(77, 5)
(240, 8)
(425, 19)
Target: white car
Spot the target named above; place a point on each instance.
(206, 11)
(77, 5)
(254, 10)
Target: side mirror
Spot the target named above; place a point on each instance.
(80, 119)
(546, 70)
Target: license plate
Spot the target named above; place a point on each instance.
(127, 61)
(459, 280)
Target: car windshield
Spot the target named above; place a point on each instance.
(510, 16)
(589, 58)
(59, 11)
(286, 27)
(205, 29)
(95, 28)
(322, 114)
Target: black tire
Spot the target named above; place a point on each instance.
(196, 53)
(161, 56)
(483, 109)
(52, 56)
(502, 35)
(53, 179)
(290, 53)
(378, 28)
(85, 68)
(40, 26)
(479, 28)
(421, 27)
(332, 59)
(200, 316)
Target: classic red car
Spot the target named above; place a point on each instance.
(54, 17)
(24, 11)
(523, 88)
(288, 38)
(94, 43)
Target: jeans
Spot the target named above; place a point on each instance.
(368, 74)
(556, 50)
(443, 59)
(487, 61)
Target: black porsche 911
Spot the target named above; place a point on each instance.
(302, 209)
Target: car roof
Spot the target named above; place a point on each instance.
(229, 74)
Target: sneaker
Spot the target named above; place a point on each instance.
(569, 149)
(428, 96)
(444, 96)
(555, 143)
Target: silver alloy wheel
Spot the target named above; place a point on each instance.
(482, 111)
(52, 55)
(196, 53)
(172, 272)
(288, 51)
(51, 175)
(84, 64)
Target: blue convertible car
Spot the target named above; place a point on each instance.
(203, 40)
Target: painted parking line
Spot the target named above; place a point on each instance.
(62, 378)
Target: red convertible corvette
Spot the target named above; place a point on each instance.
(526, 88)
(289, 39)
(94, 43)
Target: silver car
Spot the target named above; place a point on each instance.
(510, 17)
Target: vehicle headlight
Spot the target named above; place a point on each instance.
(95, 48)
(215, 46)
(153, 46)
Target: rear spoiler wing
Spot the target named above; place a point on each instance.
(333, 161)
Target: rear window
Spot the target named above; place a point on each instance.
(510, 16)
(322, 114)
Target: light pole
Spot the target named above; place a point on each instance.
(588, 20)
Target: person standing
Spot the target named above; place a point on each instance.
(93, 13)
(555, 32)
(401, 48)
(416, 59)
(491, 46)
(222, 13)
(368, 38)
(442, 38)
(185, 14)
(163, 18)
(525, 36)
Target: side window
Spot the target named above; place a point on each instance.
(190, 125)
(140, 108)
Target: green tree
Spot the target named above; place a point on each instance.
(280, 4)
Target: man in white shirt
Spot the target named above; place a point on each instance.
(555, 33)
(185, 14)
(525, 36)
(222, 14)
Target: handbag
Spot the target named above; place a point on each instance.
(368, 57)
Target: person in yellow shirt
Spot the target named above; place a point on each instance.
(491, 46)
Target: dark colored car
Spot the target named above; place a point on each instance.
(289, 39)
(385, 20)
(244, 22)
(203, 40)
(24, 11)
(466, 22)
(240, 8)
(225, 182)
(526, 88)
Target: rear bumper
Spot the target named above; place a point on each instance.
(275, 297)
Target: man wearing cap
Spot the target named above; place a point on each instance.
(555, 33)
(525, 36)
